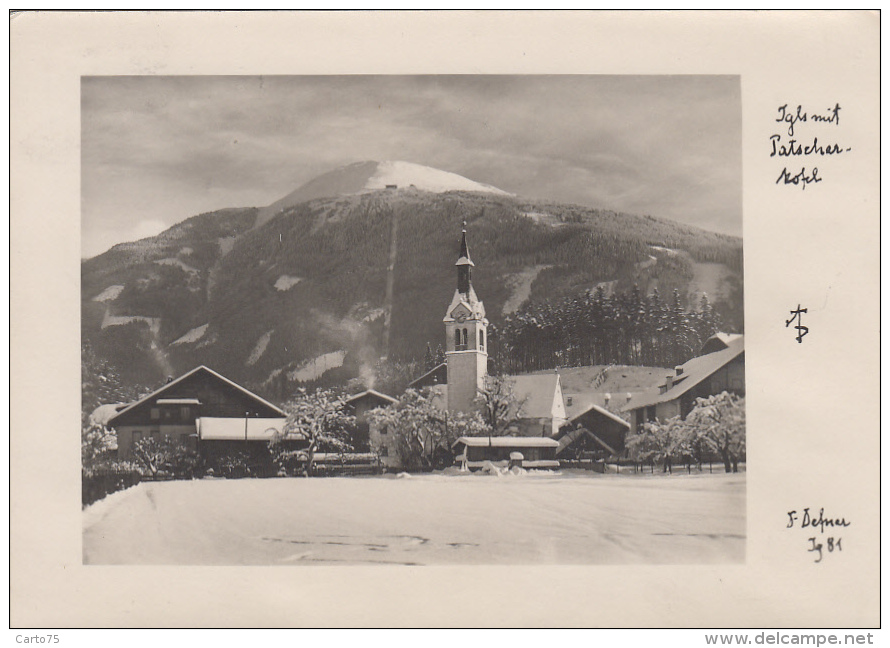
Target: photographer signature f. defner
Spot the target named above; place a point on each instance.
(811, 521)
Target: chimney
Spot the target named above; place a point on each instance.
(607, 398)
(668, 382)
(629, 396)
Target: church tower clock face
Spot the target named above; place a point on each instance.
(460, 314)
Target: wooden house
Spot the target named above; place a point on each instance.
(592, 433)
(720, 367)
(200, 407)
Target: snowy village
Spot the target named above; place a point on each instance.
(455, 419)
(398, 364)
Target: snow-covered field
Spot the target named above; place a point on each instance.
(578, 518)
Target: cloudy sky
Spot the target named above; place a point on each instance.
(157, 150)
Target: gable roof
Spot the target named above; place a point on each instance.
(371, 393)
(175, 382)
(604, 412)
(693, 373)
(718, 342)
(536, 393)
(573, 435)
(438, 375)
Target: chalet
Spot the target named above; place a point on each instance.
(198, 409)
(719, 367)
(592, 431)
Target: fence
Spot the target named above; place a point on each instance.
(97, 483)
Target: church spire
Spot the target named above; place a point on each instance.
(464, 263)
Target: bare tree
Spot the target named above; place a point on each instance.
(498, 405)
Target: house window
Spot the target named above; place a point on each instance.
(137, 436)
(383, 451)
(568, 401)
(155, 413)
(155, 435)
(185, 413)
(650, 413)
(457, 339)
(481, 339)
(465, 338)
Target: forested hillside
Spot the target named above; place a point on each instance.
(328, 287)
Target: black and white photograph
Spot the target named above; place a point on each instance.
(446, 319)
(412, 320)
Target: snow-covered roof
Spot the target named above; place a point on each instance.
(470, 300)
(372, 393)
(173, 383)
(508, 442)
(436, 375)
(178, 401)
(104, 413)
(604, 412)
(234, 429)
(536, 393)
(719, 341)
(693, 373)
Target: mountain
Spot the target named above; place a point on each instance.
(345, 270)
(364, 177)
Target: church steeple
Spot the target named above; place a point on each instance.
(464, 263)
(465, 337)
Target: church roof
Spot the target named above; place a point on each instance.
(470, 300)
(536, 393)
(464, 255)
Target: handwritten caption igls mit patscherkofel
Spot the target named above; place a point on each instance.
(796, 142)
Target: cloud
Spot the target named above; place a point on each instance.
(165, 148)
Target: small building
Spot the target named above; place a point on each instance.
(472, 453)
(370, 438)
(720, 367)
(594, 433)
(542, 409)
(199, 408)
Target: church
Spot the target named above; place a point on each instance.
(539, 407)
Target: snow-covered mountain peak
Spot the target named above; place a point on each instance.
(363, 177)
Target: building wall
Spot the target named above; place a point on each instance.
(466, 374)
(668, 410)
(534, 427)
(730, 378)
(185, 434)
(382, 442)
